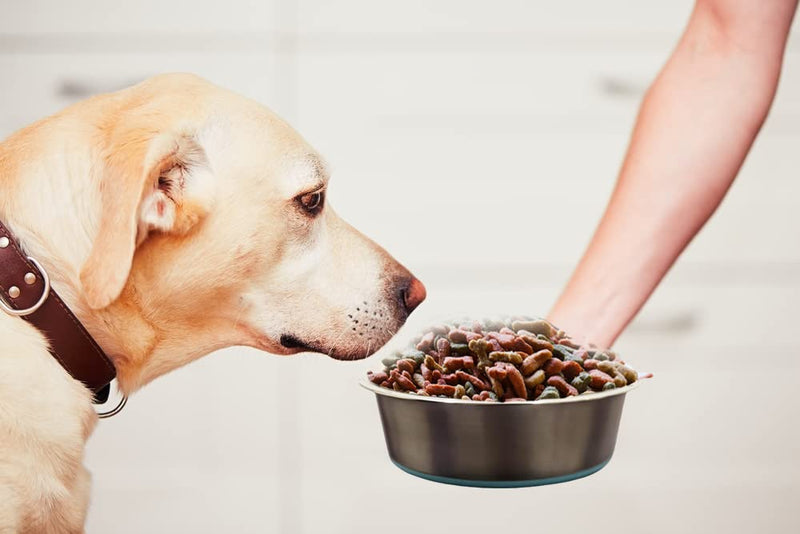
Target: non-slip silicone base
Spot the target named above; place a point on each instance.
(503, 483)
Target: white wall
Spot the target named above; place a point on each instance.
(446, 122)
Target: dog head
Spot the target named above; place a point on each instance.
(212, 229)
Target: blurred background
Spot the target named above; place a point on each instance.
(478, 142)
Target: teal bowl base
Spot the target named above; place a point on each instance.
(503, 483)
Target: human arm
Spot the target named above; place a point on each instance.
(695, 127)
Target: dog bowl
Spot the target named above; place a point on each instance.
(500, 445)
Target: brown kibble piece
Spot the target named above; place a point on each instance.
(498, 371)
(516, 381)
(552, 366)
(453, 363)
(535, 361)
(504, 356)
(426, 372)
(443, 347)
(561, 385)
(403, 381)
(440, 389)
(497, 386)
(432, 363)
(512, 342)
(599, 379)
(457, 336)
(571, 369)
(406, 364)
(451, 379)
(495, 345)
(535, 343)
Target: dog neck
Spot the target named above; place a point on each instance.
(51, 203)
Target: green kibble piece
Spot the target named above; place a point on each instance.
(461, 349)
(549, 393)
(469, 389)
(580, 384)
(419, 381)
(493, 325)
(414, 354)
(609, 385)
(493, 395)
(562, 352)
(390, 361)
(601, 357)
(607, 367)
(574, 358)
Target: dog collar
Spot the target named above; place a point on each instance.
(25, 292)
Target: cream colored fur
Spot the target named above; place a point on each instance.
(167, 216)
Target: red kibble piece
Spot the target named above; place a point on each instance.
(377, 378)
(426, 343)
(479, 384)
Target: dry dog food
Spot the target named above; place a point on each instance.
(502, 361)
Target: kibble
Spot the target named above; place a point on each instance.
(501, 362)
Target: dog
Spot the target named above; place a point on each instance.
(174, 218)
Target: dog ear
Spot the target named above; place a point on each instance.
(146, 186)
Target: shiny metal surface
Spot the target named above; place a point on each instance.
(500, 444)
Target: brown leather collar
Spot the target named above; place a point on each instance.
(25, 292)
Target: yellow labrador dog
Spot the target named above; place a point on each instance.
(175, 218)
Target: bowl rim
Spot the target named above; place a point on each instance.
(375, 388)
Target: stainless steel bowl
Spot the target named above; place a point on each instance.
(500, 445)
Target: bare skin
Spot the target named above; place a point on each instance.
(694, 130)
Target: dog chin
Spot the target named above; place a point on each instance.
(294, 345)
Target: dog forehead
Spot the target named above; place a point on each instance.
(305, 171)
(259, 144)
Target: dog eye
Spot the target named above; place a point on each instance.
(313, 202)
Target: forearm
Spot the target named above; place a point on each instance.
(694, 129)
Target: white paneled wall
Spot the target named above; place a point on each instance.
(464, 136)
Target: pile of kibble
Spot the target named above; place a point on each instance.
(501, 361)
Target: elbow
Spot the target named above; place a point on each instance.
(745, 45)
(746, 28)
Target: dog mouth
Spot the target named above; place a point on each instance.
(290, 342)
(293, 343)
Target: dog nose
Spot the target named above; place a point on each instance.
(413, 295)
